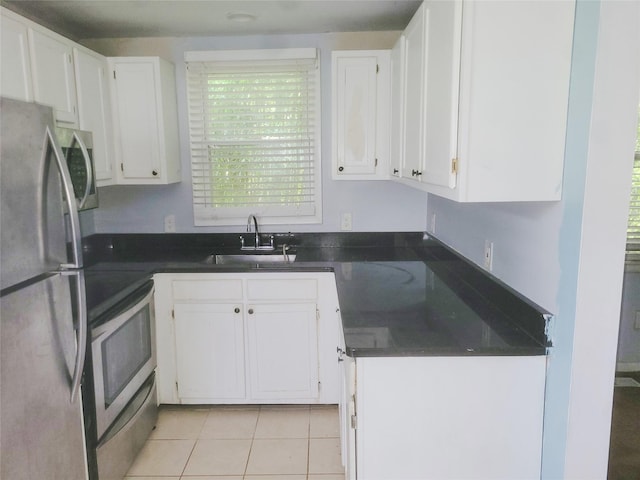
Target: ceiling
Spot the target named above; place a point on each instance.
(83, 19)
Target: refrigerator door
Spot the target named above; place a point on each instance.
(33, 181)
(41, 429)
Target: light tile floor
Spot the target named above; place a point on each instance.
(269, 442)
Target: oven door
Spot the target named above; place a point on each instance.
(123, 354)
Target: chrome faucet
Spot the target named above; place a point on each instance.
(256, 244)
(255, 227)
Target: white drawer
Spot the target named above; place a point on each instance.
(281, 289)
(207, 289)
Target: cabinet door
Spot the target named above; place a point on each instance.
(94, 110)
(413, 90)
(137, 118)
(282, 351)
(441, 87)
(209, 352)
(397, 108)
(355, 114)
(15, 80)
(53, 76)
(347, 410)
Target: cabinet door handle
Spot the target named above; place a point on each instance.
(395, 170)
(340, 169)
(155, 173)
(251, 311)
(237, 310)
(416, 173)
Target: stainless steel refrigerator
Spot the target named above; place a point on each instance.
(42, 303)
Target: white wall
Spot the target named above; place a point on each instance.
(568, 256)
(375, 206)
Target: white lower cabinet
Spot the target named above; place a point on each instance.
(283, 351)
(246, 338)
(209, 341)
(443, 417)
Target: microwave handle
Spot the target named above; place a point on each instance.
(74, 220)
(89, 168)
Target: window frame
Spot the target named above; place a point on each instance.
(231, 216)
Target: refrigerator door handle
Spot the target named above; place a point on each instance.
(89, 168)
(81, 340)
(67, 185)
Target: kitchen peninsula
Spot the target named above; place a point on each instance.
(436, 361)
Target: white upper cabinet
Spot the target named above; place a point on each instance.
(146, 120)
(361, 107)
(53, 75)
(414, 35)
(485, 100)
(396, 129)
(15, 72)
(94, 109)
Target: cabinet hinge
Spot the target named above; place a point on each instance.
(377, 68)
(173, 314)
(354, 422)
(317, 313)
(122, 167)
(177, 386)
(454, 165)
(375, 163)
(114, 74)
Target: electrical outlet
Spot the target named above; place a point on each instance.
(170, 223)
(433, 223)
(488, 255)
(345, 223)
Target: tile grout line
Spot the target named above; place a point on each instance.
(194, 444)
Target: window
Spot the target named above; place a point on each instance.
(633, 229)
(254, 129)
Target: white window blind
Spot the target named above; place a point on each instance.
(255, 136)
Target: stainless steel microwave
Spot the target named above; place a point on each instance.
(77, 146)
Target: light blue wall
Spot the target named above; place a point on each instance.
(375, 206)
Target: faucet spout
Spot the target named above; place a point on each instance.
(252, 218)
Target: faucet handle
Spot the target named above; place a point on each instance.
(241, 241)
(272, 242)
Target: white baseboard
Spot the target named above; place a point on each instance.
(628, 367)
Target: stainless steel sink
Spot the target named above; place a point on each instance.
(250, 258)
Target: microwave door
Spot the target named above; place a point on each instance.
(88, 168)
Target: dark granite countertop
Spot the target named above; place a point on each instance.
(400, 294)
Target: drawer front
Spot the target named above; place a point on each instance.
(207, 290)
(281, 289)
